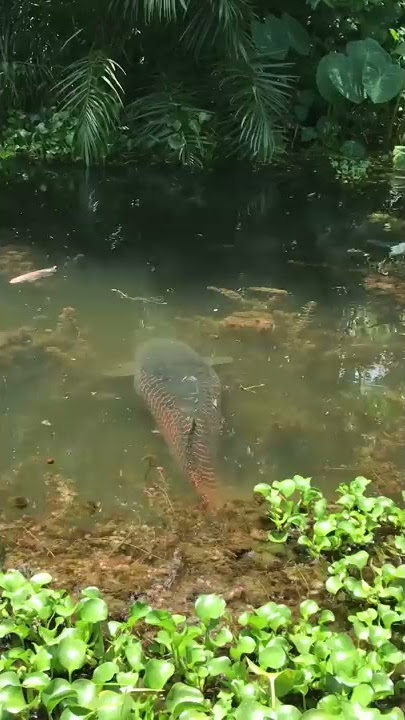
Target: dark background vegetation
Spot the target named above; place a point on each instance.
(200, 82)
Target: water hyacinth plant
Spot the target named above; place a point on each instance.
(65, 657)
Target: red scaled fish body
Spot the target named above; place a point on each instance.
(182, 392)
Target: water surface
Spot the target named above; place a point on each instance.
(316, 384)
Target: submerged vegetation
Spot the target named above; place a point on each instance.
(195, 83)
(66, 657)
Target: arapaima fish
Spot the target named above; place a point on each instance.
(182, 392)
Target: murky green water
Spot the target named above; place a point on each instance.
(316, 385)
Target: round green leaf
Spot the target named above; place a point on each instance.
(42, 660)
(287, 712)
(41, 579)
(223, 637)
(7, 627)
(93, 610)
(262, 489)
(363, 695)
(56, 691)
(250, 691)
(91, 592)
(245, 644)
(287, 680)
(133, 653)
(138, 611)
(382, 685)
(181, 694)
(37, 680)
(72, 653)
(275, 615)
(86, 693)
(285, 487)
(12, 699)
(251, 710)
(209, 607)
(66, 607)
(273, 656)
(333, 585)
(157, 673)
(110, 705)
(9, 678)
(104, 672)
(219, 666)
(308, 608)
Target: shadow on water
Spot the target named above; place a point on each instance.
(282, 273)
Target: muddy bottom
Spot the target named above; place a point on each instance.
(189, 553)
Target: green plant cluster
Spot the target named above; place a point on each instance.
(66, 658)
(293, 504)
(196, 83)
(41, 136)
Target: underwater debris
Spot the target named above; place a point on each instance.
(230, 294)
(269, 290)
(249, 319)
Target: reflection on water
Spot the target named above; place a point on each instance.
(279, 274)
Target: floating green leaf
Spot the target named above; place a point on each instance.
(133, 653)
(104, 672)
(157, 673)
(12, 699)
(93, 610)
(72, 653)
(86, 693)
(40, 579)
(37, 680)
(183, 696)
(209, 607)
(219, 666)
(273, 655)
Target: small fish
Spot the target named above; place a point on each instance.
(34, 275)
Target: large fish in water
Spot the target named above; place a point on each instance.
(182, 392)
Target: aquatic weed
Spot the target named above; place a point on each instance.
(69, 659)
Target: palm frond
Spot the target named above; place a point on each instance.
(221, 22)
(152, 9)
(259, 93)
(91, 90)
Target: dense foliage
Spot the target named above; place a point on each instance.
(66, 658)
(200, 81)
